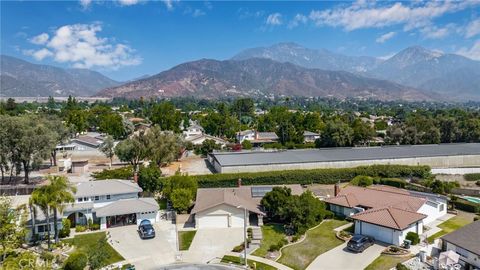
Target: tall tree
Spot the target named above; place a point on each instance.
(41, 197)
(12, 233)
(163, 146)
(133, 150)
(108, 148)
(60, 193)
(166, 116)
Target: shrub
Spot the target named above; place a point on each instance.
(362, 181)
(394, 182)
(465, 205)
(412, 236)
(238, 248)
(295, 238)
(65, 231)
(475, 218)
(477, 183)
(89, 223)
(472, 176)
(246, 144)
(316, 176)
(119, 173)
(95, 227)
(80, 228)
(76, 261)
(400, 266)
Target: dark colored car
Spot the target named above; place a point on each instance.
(359, 243)
(146, 230)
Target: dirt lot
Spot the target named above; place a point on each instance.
(193, 165)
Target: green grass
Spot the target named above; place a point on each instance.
(236, 260)
(185, 239)
(385, 262)
(449, 226)
(272, 235)
(85, 242)
(317, 241)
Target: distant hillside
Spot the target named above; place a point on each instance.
(259, 77)
(452, 75)
(20, 78)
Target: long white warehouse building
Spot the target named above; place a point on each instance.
(435, 155)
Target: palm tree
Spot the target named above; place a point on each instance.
(61, 193)
(40, 198)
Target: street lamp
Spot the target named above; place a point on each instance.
(244, 233)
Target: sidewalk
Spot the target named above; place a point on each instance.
(262, 260)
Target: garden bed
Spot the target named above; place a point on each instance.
(396, 251)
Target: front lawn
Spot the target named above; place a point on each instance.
(86, 242)
(185, 239)
(317, 241)
(449, 226)
(385, 262)
(272, 235)
(259, 265)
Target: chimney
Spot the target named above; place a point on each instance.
(239, 182)
(336, 189)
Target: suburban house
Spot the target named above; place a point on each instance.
(387, 213)
(466, 243)
(193, 130)
(86, 143)
(110, 203)
(309, 136)
(256, 137)
(225, 207)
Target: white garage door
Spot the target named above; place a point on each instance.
(377, 232)
(213, 221)
(237, 220)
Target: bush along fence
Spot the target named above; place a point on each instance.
(316, 176)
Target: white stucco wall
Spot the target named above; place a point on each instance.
(387, 235)
(465, 255)
(152, 216)
(341, 211)
(433, 211)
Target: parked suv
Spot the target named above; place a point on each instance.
(359, 243)
(146, 230)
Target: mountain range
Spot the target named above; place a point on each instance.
(414, 73)
(414, 66)
(260, 77)
(20, 78)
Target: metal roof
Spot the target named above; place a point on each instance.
(345, 154)
(106, 187)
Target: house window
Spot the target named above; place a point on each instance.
(42, 228)
(442, 206)
(108, 197)
(80, 199)
(97, 198)
(462, 252)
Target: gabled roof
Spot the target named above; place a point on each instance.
(389, 217)
(376, 197)
(104, 187)
(239, 196)
(309, 133)
(93, 141)
(466, 237)
(128, 206)
(267, 136)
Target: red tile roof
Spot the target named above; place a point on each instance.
(390, 217)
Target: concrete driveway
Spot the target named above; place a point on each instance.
(212, 243)
(149, 253)
(342, 259)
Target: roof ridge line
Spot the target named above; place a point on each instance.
(390, 213)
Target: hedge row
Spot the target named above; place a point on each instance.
(394, 182)
(472, 176)
(316, 176)
(465, 205)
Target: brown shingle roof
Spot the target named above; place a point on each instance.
(376, 197)
(390, 217)
(240, 196)
(466, 237)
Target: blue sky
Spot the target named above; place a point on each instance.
(125, 39)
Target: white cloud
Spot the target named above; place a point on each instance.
(168, 4)
(472, 29)
(297, 20)
(385, 37)
(128, 2)
(79, 45)
(274, 19)
(85, 3)
(198, 12)
(374, 15)
(473, 52)
(434, 32)
(40, 39)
